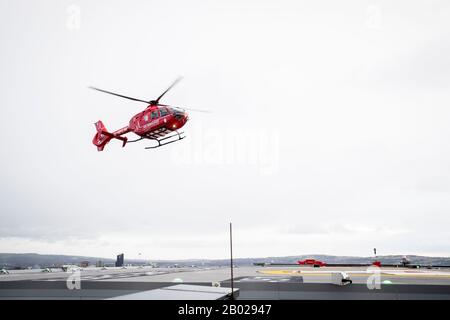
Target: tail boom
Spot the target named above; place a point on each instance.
(102, 137)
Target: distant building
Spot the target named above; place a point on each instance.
(84, 264)
(120, 259)
(99, 264)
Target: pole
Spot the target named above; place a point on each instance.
(231, 262)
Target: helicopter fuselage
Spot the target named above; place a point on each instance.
(153, 123)
(155, 118)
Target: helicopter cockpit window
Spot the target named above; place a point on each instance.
(178, 114)
(163, 112)
(154, 114)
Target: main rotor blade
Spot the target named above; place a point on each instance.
(171, 86)
(119, 95)
(183, 108)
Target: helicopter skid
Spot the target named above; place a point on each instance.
(166, 140)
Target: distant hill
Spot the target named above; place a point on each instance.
(25, 260)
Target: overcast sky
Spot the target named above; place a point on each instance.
(329, 132)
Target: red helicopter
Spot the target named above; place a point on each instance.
(154, 123)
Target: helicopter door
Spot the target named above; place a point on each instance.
(163, 113)
(154, 115)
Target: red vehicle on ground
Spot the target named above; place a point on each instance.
(377, 263)
(311, 262)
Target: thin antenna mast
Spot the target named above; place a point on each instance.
(231, 261)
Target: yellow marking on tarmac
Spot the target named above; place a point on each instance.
(302, 273)
(357, 274)
(420, 275)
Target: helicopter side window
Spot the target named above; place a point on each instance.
(163, 112)
(154, 114)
